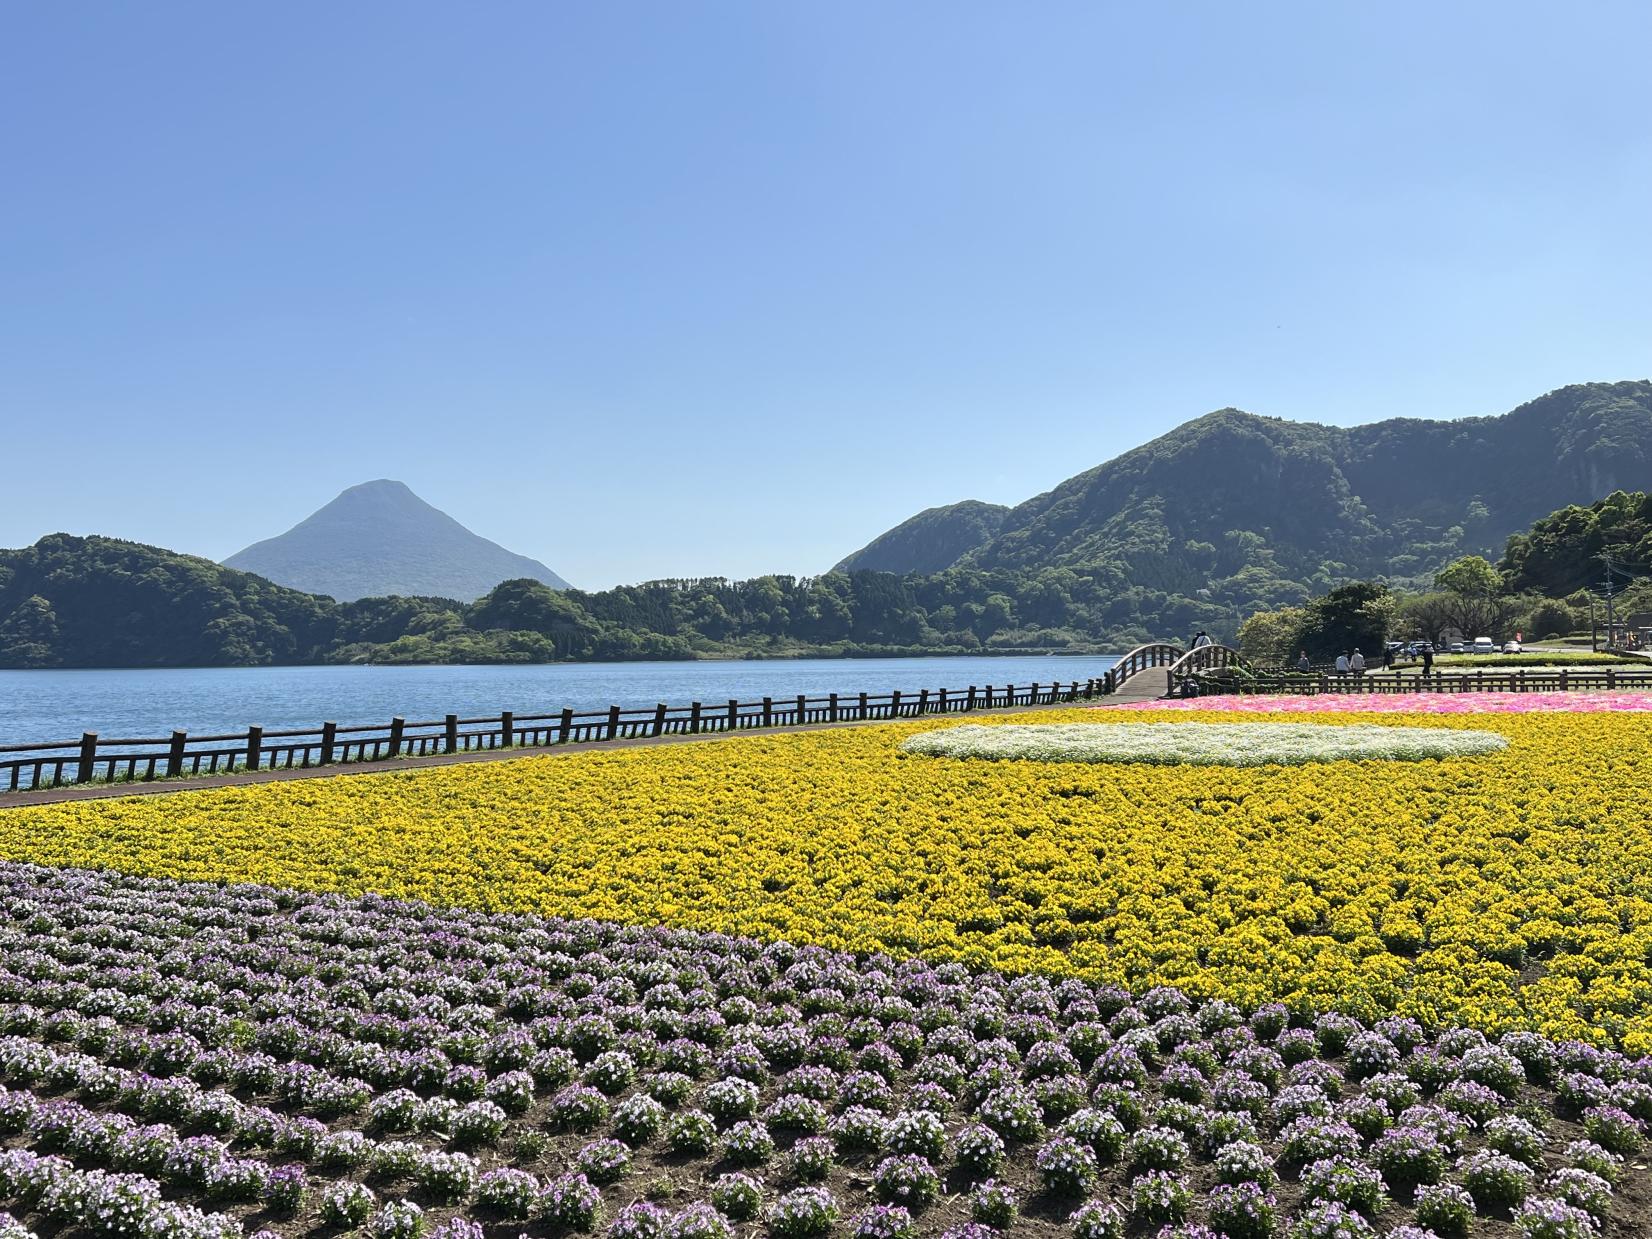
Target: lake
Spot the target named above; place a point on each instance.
(40, 706)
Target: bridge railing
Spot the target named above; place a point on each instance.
(1142, 658)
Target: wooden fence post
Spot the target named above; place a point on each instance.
(1611, 678)
(1009, 694)
(175, 754)
(88, 756)
(969, 701)
(988, 704)
(941, 706)
(923, 701)
(895, 703)
(694, 718)
(768, 711)
(733, 714)
(613, 722)
(862, 714)
(450, 733)
(802, 709)
(1563, 679)
(831, 708)
(329, 734)
(397, 725)
(255, 747)
(659, 719)
(507, 729)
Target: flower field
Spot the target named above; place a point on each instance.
(1506, 891)
(1409, 703)
(1259, 1001)
(1201, 744)
(202, 1062)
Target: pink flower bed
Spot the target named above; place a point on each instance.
(1409, 703)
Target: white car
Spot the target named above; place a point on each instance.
(1456, 647)
(1484, 645)
(1512, 647)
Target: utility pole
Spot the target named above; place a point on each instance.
(1611, 620)
(1594, 631)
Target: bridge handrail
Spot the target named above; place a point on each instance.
(1142, 658)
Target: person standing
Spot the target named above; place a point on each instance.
(1342, 663)
(1302, 663)
(1356, 664)
(1201, 638)
(1428, 660)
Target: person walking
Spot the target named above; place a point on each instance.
(1387, 658)
(1342, 663)
(1201, 638)
(1356, 664)
(1428, 660)
(1302, 663)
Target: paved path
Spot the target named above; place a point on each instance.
(109, 791)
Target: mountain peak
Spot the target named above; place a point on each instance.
(378, 538)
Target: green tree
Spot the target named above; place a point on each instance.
(1272, 638)
(1358, 616)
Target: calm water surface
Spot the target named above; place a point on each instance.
(37, 706)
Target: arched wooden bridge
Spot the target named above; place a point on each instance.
(1159, 669)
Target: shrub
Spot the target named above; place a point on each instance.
(748, 1143)
(907, 1180)
(1066, 1167)
(1243, 1162)
(917, 1131)
(1346, 1182)
(346, 1205)
(737, 1196)
(1097, 1219)
(398, 1219)
(1496, 1181)
(1553, 1219)
(803, 1213)
(693, 1133)
(1446, 1209)
(603, 1161)
(994, 1204)
(1243, 1211)
(571, 1201)
(1159, 1198)
(882, 1222)
(512, 1194)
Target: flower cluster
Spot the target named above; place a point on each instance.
(242, 1048)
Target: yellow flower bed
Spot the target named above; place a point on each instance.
(1507, 890)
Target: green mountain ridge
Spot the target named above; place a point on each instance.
(379, 538)
(1226, 516)
(931, 541)
(1276, 503)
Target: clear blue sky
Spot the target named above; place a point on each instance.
(673, 289)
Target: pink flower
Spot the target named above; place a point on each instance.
(1407, 703)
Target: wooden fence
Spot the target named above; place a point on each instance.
(27, 766)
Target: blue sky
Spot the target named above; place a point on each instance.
(671, 289)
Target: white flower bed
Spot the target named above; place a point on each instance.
(1202, 744)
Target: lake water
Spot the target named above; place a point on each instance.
(39, 706)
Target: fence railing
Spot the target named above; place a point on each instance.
(1605, 679)
(92, 758)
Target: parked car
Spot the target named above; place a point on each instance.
(1456, 647)
(1512, 647)
(1484, 645)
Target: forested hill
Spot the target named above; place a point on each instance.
(1226, 516)
(1242, 506)
(931, 541)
